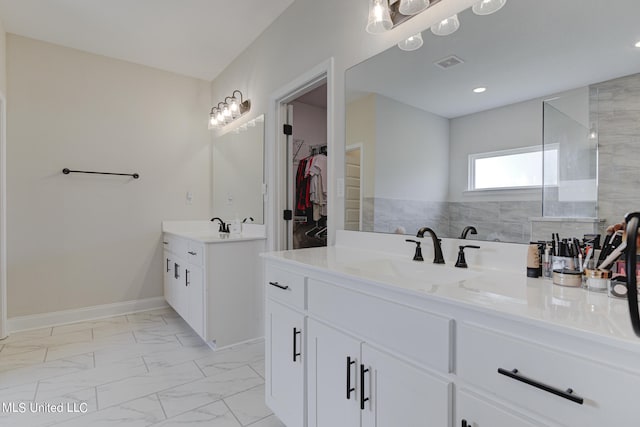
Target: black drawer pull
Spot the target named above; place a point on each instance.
(168, 269)
(363, 399)
(166, 243)
(567, 394)
(465, 423)
(186, 277)
(296, 353)
(192, 253)
(278, 285)
(349, 388)
(176, 270)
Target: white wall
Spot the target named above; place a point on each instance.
(306, 34)
(310, 125)
(412, 152)
(237, 162)
(82, 240)
(361, 114)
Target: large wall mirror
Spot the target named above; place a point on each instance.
(520, 122)
(238, 159)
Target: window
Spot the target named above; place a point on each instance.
(515, 168)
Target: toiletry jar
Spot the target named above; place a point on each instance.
(566, 277)
(597, 280)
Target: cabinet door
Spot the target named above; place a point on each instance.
(332, 373)
(194, 287)
(284, 360)
(179, 292)
(475, 412)
(168, 279)
(400, 394)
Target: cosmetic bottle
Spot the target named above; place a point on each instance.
(533, 261)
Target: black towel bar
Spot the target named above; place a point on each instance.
(67, 171)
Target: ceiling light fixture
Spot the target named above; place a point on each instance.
(227, 111)
(487, 7)
(412, 43)
(446, 26)
(480, 89)
(412, 7)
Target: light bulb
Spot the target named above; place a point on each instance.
(379, 17)
(446, 26)
(412, 7)
(234, 107)
(225, 111)
(480, 90)
(220, 117)
(412, 43)
(487, 7)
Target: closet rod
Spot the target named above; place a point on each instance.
(67, 171)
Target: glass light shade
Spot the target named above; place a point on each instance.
(234, 107)
(412, 43)
(411, 7)
(225, 111)
(446, 26)
(379, 17)
(220, 117)
(212, 122)
(487, 7)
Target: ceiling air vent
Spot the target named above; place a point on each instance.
(449, 61)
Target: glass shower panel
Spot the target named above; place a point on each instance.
(570, 162)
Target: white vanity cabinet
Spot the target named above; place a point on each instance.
(475, 411)
(354, 384)
(215, 287)
(285, 354)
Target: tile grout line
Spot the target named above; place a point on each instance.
(254, 370)
(261, 419)
(162, 406)
(95, 390)
(232, 413)
(145, 364)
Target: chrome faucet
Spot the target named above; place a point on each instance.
(437, 258)
(224, 228)
(468, 229)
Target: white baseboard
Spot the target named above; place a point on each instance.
(56, 318)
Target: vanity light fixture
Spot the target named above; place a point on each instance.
(412, 7)
(480, 89)
(412, 43)
(446, 26)
(487, 7)
(638, 44)
(227, 111)
(379, 17)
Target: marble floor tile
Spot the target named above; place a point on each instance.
(137, 413)
(259, 367)
(175, 356)
(124, 351)
(231, 358)
(136, 386)
(60, 351)
(79, 337)
(190, 339)
(80, 326)
(249, 406)
(41, 371)
(106, 331)
(207, 390)
(90, 378)
(270, 421)
(20, 360)
(27, 335)
(216, 414)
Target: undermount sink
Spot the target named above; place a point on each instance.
(425, 271)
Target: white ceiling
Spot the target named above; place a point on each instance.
(197, 38)
(528, 49)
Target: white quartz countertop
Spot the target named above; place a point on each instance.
(207, 231)
(509, 293)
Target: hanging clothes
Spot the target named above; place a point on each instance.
(311, 184)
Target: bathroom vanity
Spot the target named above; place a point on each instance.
(213, 280)
(356, 337)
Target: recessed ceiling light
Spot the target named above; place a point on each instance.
(480, 89)
(638, 44)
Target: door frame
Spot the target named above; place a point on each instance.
(352, 147)
(3, 216)
(275, 145)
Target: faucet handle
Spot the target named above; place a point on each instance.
(418, 254)
(462, 262)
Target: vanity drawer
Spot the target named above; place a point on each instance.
(194, 252)
(420, 336)
(606, 392)
(174, 244)
(286, 286)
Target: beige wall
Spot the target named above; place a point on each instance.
(360, 128)
(83, 240)
(3, 59)
(306, 34)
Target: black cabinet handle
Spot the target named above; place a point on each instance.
(192, 253)
(165, 243)
(567, 394)
(176, 270)
(465, 424)
(168, 261)
(363, 399)
(278, 285)
(186, 277)
(349, 388)
(296, 332)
